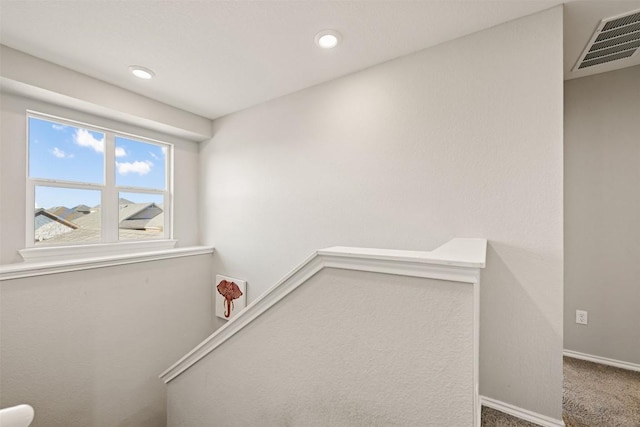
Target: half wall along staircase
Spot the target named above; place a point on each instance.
(352, 337)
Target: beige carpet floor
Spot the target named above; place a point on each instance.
(598, 395)
(594, 396)
(493, 418)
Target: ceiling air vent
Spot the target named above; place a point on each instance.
(615, 38)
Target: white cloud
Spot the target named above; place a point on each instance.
(164, 151)
(154, 155)
(58, 127)
(84, 138)
(141, 168)
(120, 152)
(60, 154)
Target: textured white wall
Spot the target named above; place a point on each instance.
(346, 348)
(602, 213)
(460, 140)
(86, 348)
(13, 151)
(45, 80)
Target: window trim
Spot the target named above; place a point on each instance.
(110, 242)
(64, 252)
(51, 266)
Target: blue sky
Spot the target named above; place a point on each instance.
(69, 153)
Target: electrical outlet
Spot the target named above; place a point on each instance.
(581, 317)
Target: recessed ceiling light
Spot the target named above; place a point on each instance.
(141, 72)
(328, 39)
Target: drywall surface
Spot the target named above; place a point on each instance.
(13, 164)
(36, 77)
(85, 348)
(346, 348)
(602, 213)
(460, 140)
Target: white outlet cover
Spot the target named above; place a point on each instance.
(235, 291)
(581, 317)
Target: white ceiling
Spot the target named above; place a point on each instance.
(216, 57)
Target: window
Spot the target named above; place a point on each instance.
(93, 185)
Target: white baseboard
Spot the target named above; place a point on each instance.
(521, 413)
(602, 360)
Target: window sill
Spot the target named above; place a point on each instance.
(93, 257)
(69, 252)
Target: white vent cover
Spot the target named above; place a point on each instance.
(615, 38)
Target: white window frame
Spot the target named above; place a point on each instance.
(110, 242)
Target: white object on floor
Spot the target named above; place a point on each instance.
(17, 416)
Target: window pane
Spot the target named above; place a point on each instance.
(140, 164)
(66, 215)
(65, 153)
(141, 216)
